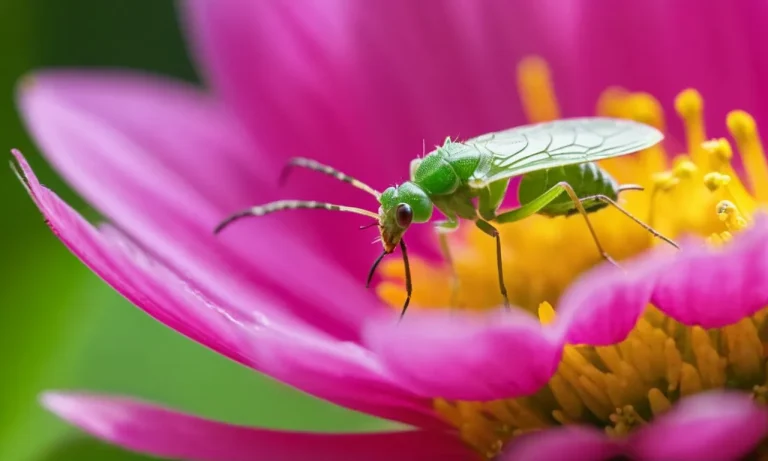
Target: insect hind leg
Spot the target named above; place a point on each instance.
(580, 207)
(540, 202)
(607, 200)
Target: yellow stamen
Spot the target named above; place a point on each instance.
(684, 168)
(743, 129)
(720, 154)
(536, 90)
(644, 108)
(612, 102)
(715, 181)
(730, 215)
(690, 106)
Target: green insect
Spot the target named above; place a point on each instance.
(469, 180)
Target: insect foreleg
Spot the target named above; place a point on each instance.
(408, 282)
(535, 205)
(609, 201)
(493, 232)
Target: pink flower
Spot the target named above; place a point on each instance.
(360, 86)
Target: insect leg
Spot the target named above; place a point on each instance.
(493, 232)
(654, 232)
(546, 198)
(408, 282)
(443, 228)
(491, 197)
(325, 169)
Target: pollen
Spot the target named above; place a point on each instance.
(620, 387)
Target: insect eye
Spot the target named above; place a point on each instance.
(404, 215)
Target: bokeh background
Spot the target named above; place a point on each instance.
(61, 327)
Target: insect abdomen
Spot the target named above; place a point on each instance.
(586, 179)
(443, 171)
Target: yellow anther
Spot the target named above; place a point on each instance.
(536, 90)
(744, 130)
(720, 154)
(730, 215)
(690, 106)
(644, 108)
(684, 168)
(719, 151)
(611, 102)
(624, 420)
(664, 181)
(546, 313)
(715, 181)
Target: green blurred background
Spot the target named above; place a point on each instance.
(61, 327)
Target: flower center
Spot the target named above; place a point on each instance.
(622, 386)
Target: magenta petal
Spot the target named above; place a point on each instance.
(166, 164)
(264, 339)
(604, 305)
(362, 85)
(160, 432)
(716, 426)
(715, 287)
(564, 444)
(459, 356)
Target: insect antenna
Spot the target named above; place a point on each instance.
(325, 169)
(281, 205)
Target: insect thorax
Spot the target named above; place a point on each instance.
(586, 179)
(449, 167)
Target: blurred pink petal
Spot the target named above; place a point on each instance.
(455, 355)
(715, 287)
(165, 164)
(573, 443)
(716, 426)
(365, 85)
(268, 341)
(157, 431)
(663, 47)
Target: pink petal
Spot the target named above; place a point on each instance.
(604, 305)
(278, 345)
(715, 287)
(571, 443)
(166, 164)
(364, 86)
(460, 356)
(157, 431)
(715, 426)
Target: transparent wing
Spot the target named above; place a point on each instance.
(527, 148)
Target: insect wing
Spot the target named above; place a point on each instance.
(561, 142)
